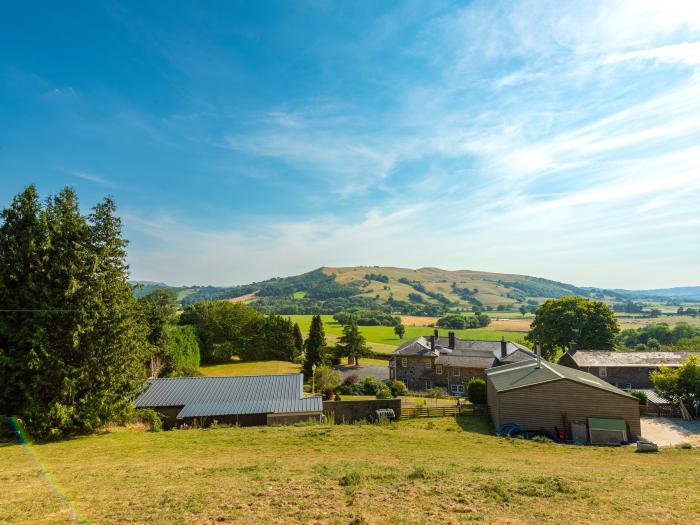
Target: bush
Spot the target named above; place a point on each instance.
(351, 380)
(337, 398)
(150, 418)
(398, 388)
(328, 393)
(642, 396)
(384, 393)
(186, 371)
(476, 390)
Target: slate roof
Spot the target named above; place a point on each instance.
(220, 396)
(586, 358)
(653, 397)
(468, 353)
(526, 373)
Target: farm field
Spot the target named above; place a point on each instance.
(444, 470)
(254, 368)
(638, 322)
(384, 341)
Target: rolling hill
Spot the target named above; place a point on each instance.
(426, 291)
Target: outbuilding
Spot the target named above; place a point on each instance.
(242, 400)
(542, 396)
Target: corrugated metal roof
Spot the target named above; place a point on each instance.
(212, 396)
(653, 397)
(526, 373)
(627, 359)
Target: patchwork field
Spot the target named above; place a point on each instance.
(416, 472)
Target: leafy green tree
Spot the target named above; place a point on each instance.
(523, 310)
(180, 350)
(225, 329)
(72, 341)
(273, 338)
(315, 346)
(400, 330)
(159, 307)
(679, 384)
(352, 343)
(558, 321)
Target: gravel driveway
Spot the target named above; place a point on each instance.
(665, 431)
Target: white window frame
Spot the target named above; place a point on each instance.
(404, 362)
(456, 372)
(428, 384)
(457, 388)
(428, 364)
(438, 369)
(603, 371)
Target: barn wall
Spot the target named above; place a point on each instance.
(542, 406)
(292, 417)
(492, 401)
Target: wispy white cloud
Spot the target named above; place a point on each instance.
(686, 52)
(102, 181)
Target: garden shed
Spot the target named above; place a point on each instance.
(538, 395)
(242, 400)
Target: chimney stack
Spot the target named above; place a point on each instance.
(572, 347)
(504, 348)
(539, 355)
(432, 342)
(451, 344)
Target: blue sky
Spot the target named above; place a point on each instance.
(247, 140)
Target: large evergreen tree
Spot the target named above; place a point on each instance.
(352, 343)
(315, 346)
(72, 337)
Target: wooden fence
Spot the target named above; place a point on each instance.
(443, 411)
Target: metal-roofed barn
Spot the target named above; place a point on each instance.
(554, 396)
(244, 400)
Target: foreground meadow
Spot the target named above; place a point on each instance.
(420, 471)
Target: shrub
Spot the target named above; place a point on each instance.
(351, 380)
(476, 390)
(150, 418)
(328, 393)
(642, 396)
(398, 388)
(421, 403)
(384, 393)
(337, 398)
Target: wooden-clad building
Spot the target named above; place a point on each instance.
(546, 396)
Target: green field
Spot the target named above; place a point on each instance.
(251, 368)
(442, 470)
(384, 341)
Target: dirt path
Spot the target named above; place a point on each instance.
(665, 431)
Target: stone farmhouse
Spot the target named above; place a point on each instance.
(448, 362)
(626, 370)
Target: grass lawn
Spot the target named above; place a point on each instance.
(442, 470)
(383, 340)
(251, 368)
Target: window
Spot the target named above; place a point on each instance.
(603, 372)
(428, 364)
(404, 362)
(457, 389)
(428, 385)
(455, 372)
(438, 369)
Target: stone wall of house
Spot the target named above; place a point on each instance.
(417, 373)
(351, 411)
(624, 376)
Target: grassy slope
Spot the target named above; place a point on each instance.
(412, 472)
(383, 340)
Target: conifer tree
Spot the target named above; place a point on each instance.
(72, 349)
(315, 346)
(352, 343)
(298, 341)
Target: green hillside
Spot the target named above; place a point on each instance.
(425, 291)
